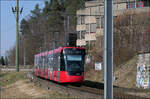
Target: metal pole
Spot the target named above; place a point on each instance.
(108, 49)
(17, 35)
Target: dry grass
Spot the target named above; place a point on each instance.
(125, 79)
(126, 74)
(8, 77)
(15, 85)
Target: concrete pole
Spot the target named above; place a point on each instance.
(17, 35)
(108, 49)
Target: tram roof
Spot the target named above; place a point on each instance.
(55, 51)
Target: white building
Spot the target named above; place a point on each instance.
(90, 20)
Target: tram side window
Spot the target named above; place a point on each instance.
(53, 63)
(49, 61)
(56, 64)
(34, 62)
(62, 62)
(43, 60)
(46, 62)
(37, 62)
(40, 62)
(58, 61)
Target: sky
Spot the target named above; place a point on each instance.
(8, 21)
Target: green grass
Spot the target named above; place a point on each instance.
(7, 78)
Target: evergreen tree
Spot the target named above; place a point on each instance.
(6, 61)
(2, 61)
(43, 27)
(36, 12)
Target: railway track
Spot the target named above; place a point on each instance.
(70, 90)
(84, 91)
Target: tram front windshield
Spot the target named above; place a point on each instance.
(74, 62)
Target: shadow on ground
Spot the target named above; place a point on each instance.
(118, 92)
(94, 84)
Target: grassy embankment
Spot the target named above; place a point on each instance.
(8, 77)
(16, 85)
(125, 78)
(125, 74)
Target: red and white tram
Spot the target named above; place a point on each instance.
(64, 65)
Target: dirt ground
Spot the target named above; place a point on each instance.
(124, 78)
(27, 89)
(22, 89)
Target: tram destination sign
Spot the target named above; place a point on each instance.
(74, 51)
